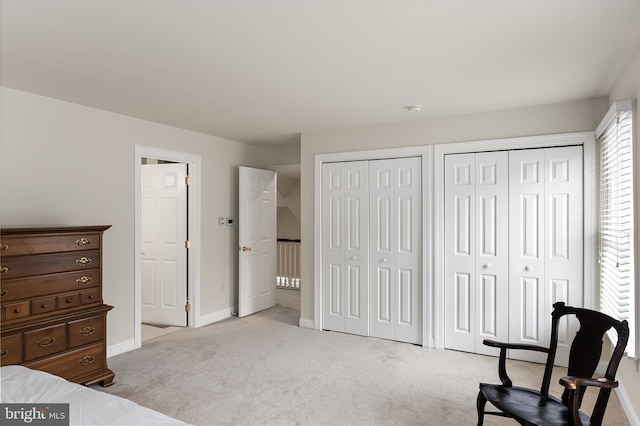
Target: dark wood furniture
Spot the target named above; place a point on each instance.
(537, 407)
(53, 318)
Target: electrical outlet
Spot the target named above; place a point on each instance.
(229, 221)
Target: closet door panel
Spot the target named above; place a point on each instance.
(408, 250)
(383, 237)
(564, 238)
(491, 251)
(526, 242)
(460, 256)
(345, 247)
(396, 209)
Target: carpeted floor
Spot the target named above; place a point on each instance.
(264, 369)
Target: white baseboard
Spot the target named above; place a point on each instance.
(306, 323)
(627, 405)
(120, 348)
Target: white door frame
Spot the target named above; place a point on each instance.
(586, 139)
(425, 153)
(193, 217)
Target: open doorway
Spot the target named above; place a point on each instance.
(166, 284)
(165, 242)
(289, 240)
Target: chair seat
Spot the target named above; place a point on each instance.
(527, 406)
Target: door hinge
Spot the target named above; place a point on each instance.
(187, 244)
(187, 307)
(187, 180)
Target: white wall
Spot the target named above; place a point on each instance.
(628, 86)
(66, 164)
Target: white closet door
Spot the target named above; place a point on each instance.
(546, 240)
(476, 250)
(345, 248)
(564, 264)
(395, 249)
(526, 241)
(460, 243)
(492, 248)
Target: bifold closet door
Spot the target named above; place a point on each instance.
(546, 244)
(372, 248)
(476, 250)
(345, 237)
(513, 247)
(396, 249)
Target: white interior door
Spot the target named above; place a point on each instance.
(164, 234)
(395, 249)
(257, 238)
(476, 250)
(345, 249)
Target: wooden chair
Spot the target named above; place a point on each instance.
(537, 407)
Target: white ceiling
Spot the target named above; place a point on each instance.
(263, 71)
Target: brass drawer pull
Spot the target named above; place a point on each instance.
(17, 310)
(4, 353)
(87, 331)
(44, 306)
(84, 280)
(86, 360)
(91, 297)
(83, 242)
(83, 261)
(69, 300)
(4, 247)
(4, 292)
(4, 270)
(46, 341)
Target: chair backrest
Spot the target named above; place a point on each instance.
(586, 349)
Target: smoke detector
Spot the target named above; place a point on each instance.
(414, 108)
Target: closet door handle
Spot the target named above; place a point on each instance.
(528, 268)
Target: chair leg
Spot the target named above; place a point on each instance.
(480, 403)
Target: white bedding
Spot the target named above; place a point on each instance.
(86, 406)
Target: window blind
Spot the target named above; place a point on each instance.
(617, 274)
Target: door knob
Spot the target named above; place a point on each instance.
(528, 268)
(384, 259)
(353, 258)
(245, 248)
(486, 266)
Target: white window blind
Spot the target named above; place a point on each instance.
(617, 282)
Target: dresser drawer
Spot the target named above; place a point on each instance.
(11, 349)
(46, 341)
(41, 306)
(85, 331)
(18, 245)
(30, 266)
(68, 300)
(28, 288)
(16, 310)
(74, 365)
(89, 296)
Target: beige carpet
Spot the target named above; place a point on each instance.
(264, 369)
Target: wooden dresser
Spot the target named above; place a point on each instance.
(53, 318)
